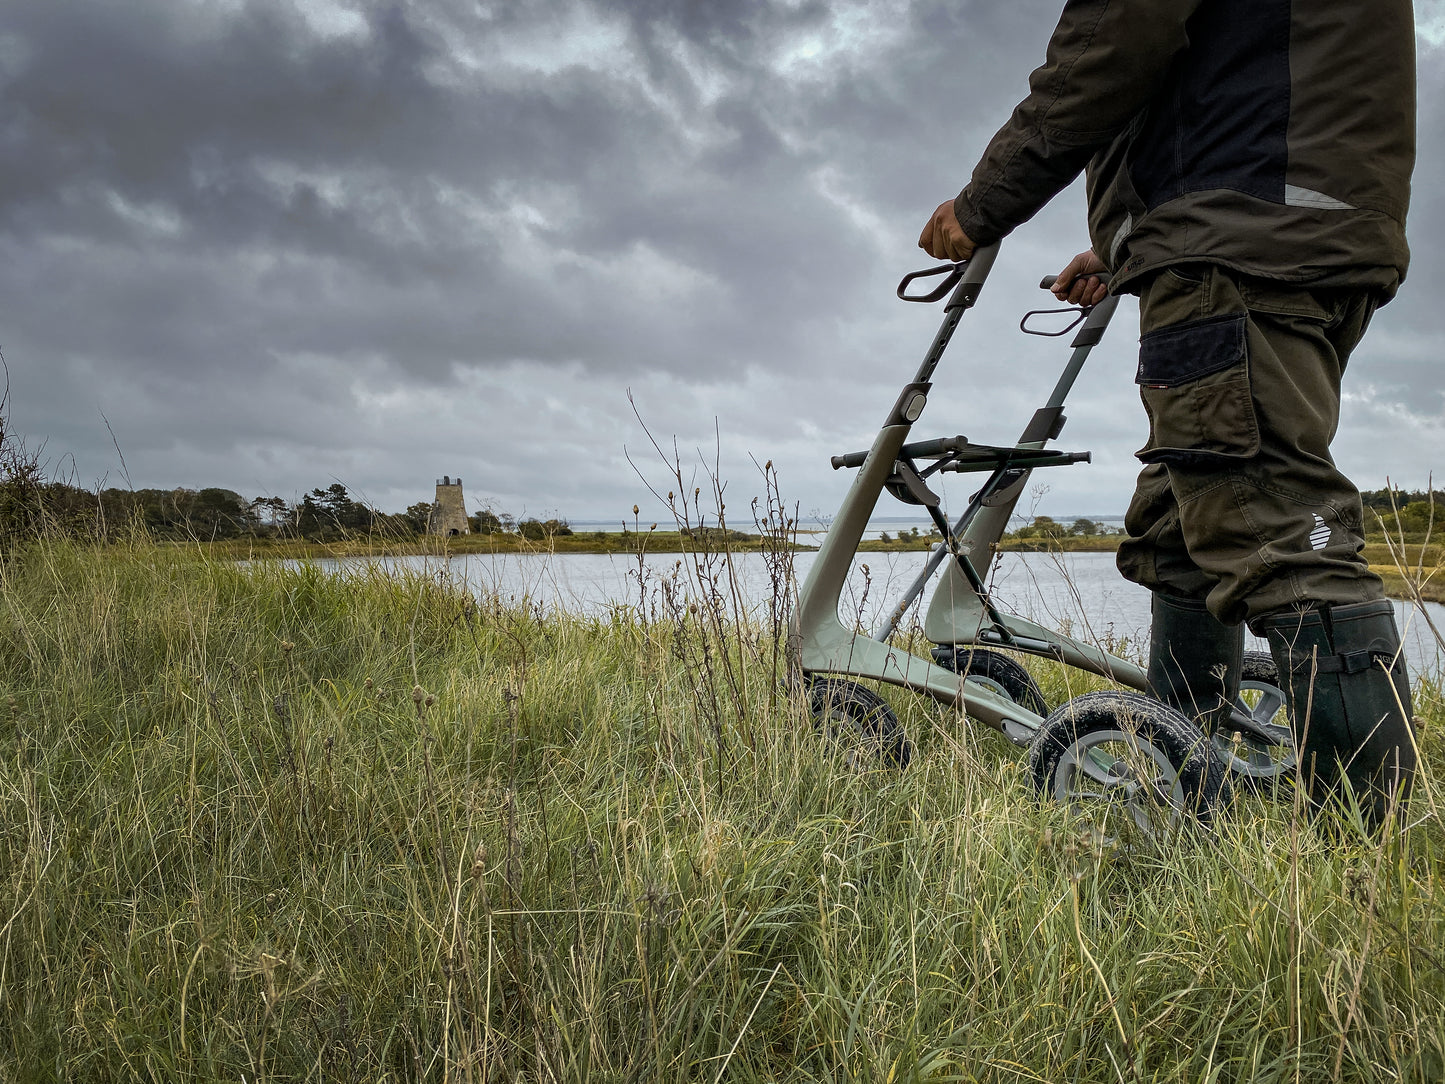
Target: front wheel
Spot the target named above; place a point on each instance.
(1121, 754)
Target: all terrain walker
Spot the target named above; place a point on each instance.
(1111, 747)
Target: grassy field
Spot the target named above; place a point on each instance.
(265, 824)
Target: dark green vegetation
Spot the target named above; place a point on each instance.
(193, 515)
(1409, 512)
(264, 823)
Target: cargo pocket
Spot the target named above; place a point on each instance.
(1194, 379)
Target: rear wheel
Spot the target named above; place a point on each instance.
(859, 723)
(1262, 756)
(1128, 762)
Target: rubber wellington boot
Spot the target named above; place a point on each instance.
(1348, 696)
(1194, 660)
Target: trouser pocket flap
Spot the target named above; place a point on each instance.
(1183, 353)
(1194, 380)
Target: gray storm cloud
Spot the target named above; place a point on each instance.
(281, 243)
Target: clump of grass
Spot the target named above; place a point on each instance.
(269, 823)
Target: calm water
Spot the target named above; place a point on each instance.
(1082, 592)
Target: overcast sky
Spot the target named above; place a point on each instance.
(282, 243)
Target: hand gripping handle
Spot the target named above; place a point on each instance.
(1047, 282)
(1081, 312)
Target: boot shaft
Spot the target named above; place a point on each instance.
(1348, 695)
(1194, 660)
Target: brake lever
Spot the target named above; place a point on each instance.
(1082, 310)
(954, 271)
(1082, 314)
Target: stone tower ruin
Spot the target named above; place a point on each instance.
(449, 513)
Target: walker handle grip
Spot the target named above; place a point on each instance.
(1047, 282)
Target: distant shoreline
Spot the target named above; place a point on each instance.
(599, 542)
(1432, 589)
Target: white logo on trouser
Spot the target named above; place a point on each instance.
(1320, 536)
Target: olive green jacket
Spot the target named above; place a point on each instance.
(1273, 137)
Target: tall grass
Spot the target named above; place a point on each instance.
(263, 823)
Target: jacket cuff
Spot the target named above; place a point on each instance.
(979, 231)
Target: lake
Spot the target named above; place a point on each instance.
(1081, 592)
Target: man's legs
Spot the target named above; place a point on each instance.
(1195, 660)
(1242, 506)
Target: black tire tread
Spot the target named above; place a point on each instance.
(868, 711)
(996, 666)
(1204, 779)
(1259, 666)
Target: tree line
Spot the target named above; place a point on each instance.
(30, 504)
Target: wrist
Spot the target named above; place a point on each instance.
(979, 231)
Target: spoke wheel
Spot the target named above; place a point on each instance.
(996, 671)
(859, 723)
(1265, 760)
(1128, 762)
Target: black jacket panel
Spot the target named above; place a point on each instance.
(1272, 137)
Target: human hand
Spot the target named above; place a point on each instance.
(943, 238)
(1077, 283)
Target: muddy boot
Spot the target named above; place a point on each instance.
(1348, 696)
(1194, 660)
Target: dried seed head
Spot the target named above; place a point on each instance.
(418, 694)
(366, 684)
(636, 510)
(430, 700)
(286, 645)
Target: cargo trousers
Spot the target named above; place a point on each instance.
(1240, 504)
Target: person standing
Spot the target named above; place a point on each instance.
(1248, 172)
